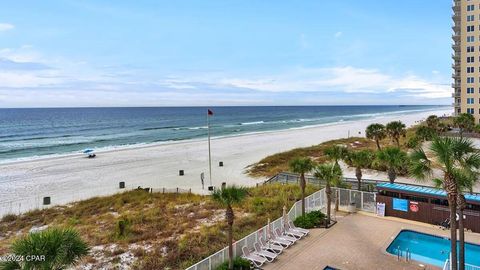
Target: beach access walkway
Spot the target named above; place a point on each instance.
(357, 241)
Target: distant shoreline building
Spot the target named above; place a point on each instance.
(466, 57)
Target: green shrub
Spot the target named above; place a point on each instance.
(60, 248)
(238, 264)
(304, 222)
(123, 227)
(413, 142)
(310, 220)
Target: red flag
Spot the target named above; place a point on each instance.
(209, 112)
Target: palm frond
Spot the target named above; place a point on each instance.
(420, 166)
(229, 195)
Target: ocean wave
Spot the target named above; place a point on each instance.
(252, 123)
(160, 128)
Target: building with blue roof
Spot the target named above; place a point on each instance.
(424, 204)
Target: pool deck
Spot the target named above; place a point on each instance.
(357, 241)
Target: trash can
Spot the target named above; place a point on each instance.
(181, 172)
(46, 200)
(220, 164)
(121, 185)
(352, 207)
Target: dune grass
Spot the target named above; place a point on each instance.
(160, 230)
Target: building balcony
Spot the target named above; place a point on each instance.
(456, 85)
(456, 37)
(456, 18)
(456, 7)
(456, 76)
(456, 95)
(456, 56)
(456, 47)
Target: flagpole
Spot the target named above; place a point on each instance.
(209, 152)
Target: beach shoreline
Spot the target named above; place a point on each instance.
(68, 178)
(140, 145)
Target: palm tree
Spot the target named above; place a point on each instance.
(302, 166)
(336, 153)
(465, 181)
(62, 248)
(396, 129)
(227, 197)
(433, 121)
(332, 175)
(456, 158)
(360, 160)
(376, 132)
(394, 159)
(465, 122)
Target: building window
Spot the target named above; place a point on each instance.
(470, 90)
(470, 59)
(470, 79)
(470, 38)
(470, 28)
(470, 111)
(470, 49)
(470, 7)
(470, 101)
(470, 69)
(470, 18)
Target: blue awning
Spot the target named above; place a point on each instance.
(428, 191)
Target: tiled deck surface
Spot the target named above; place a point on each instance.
(357, 241)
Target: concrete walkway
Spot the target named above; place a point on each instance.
(357, 241)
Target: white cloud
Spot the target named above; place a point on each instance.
(338, 34)
(65, 83)
(6, 27)
(342, 79)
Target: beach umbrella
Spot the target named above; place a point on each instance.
(87, 151)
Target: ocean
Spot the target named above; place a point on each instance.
(31, 133)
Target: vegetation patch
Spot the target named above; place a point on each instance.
(393, 135)
(313, 219)
(153, 231)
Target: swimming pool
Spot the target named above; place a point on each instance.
(430, 249)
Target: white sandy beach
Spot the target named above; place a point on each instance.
(70, 178)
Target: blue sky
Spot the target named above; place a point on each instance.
(181, 53)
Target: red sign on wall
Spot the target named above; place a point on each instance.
(414, 207)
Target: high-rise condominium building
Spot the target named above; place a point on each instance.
(466, 57)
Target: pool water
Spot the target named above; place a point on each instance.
(430, 249)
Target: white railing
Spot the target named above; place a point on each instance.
(471, 267)
(447, 266)
(315, 201)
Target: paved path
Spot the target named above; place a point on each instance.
(356, 242)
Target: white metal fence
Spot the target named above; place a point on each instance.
(362, 200)
(316, 201)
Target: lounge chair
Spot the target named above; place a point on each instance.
(292, 227)
(280, 235)
(256, 260)
(293, 233)
(270, 256)
(272, 247)
(280, 241)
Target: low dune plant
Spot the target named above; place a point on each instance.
(49, 249)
